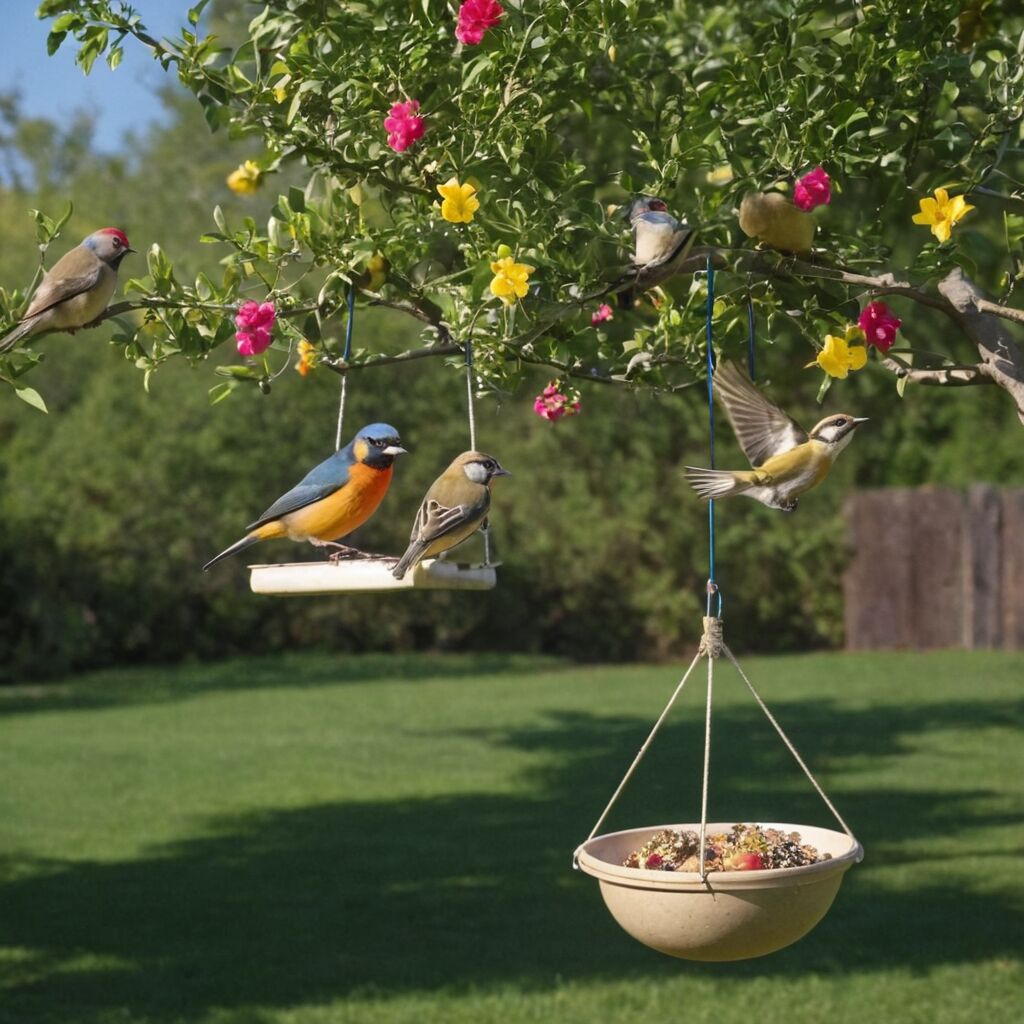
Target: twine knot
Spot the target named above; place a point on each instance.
(712, 643)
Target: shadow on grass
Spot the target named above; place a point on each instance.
(154, 685)
(379, 898)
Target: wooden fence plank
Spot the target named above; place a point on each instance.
(1012, 545)
(935, 568)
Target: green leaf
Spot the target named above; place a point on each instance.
(32, 397)
(901, 385)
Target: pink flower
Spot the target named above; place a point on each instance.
(403, 126)
(813, 189)
(552, 405)
(879, 325)
(255, 323)
(475, 18)
(604, 312)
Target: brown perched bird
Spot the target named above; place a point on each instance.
(76, 289)
(454, 508)
(787, 460)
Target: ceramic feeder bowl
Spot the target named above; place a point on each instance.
(732, 915)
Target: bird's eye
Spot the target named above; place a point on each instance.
(840, 422)
(490, 466)
(117, 243)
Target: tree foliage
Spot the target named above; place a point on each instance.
(562, 111)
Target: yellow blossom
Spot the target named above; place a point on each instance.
(280, 94)
(941, 213)
(245, 179)
(510, 279)
(460, 201)
(307, 357)
(841, 355)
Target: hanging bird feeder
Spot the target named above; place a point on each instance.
(716, 915)
(372, 573)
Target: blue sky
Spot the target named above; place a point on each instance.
(53, 86)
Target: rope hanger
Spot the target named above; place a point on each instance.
(470, 406)
(712, 644)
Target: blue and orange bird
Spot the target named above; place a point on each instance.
(333, 499)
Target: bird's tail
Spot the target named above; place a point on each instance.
(413, 553)
(718, 483)
(9, 340)
(246, 542)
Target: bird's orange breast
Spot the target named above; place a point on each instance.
(343, 511)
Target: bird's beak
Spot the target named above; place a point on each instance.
(394, 449)
(860, 419)
(501, 472)
(130, 249)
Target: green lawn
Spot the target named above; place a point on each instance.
(314, 840)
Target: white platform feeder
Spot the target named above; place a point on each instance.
(730, 915)
(367, 576)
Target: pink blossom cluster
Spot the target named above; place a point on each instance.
(604, 312)
(255, 323)
(813, 189)
(552, 405)
(475, 18)
(403, 125)
(879, 324)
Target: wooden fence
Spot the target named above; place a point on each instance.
(934, 568)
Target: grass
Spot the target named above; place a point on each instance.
(312, 840)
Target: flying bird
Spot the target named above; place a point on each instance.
(658, 239)
(333, 499)
(454, 508)
(76, 289)
(786, 460)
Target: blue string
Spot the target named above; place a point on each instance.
(349, 323)
(712, 586)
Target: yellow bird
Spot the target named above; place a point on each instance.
(787, 460)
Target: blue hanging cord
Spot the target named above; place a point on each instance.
(714, 594)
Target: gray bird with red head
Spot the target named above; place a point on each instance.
(76, 289)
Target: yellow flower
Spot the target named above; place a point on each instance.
(840, 356)
(307, 357)
(460, 201)
(280, 94)
(510, 279)
(246, 179)
(942, 213)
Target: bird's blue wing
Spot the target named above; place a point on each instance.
(331, 475)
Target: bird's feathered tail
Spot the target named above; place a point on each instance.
(412, 555)
(240, 545)
(9, 340)
(719, 483)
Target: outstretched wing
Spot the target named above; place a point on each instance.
(331, 475)
(762, 428)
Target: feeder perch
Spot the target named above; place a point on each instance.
(366, 576)
(729, 915)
